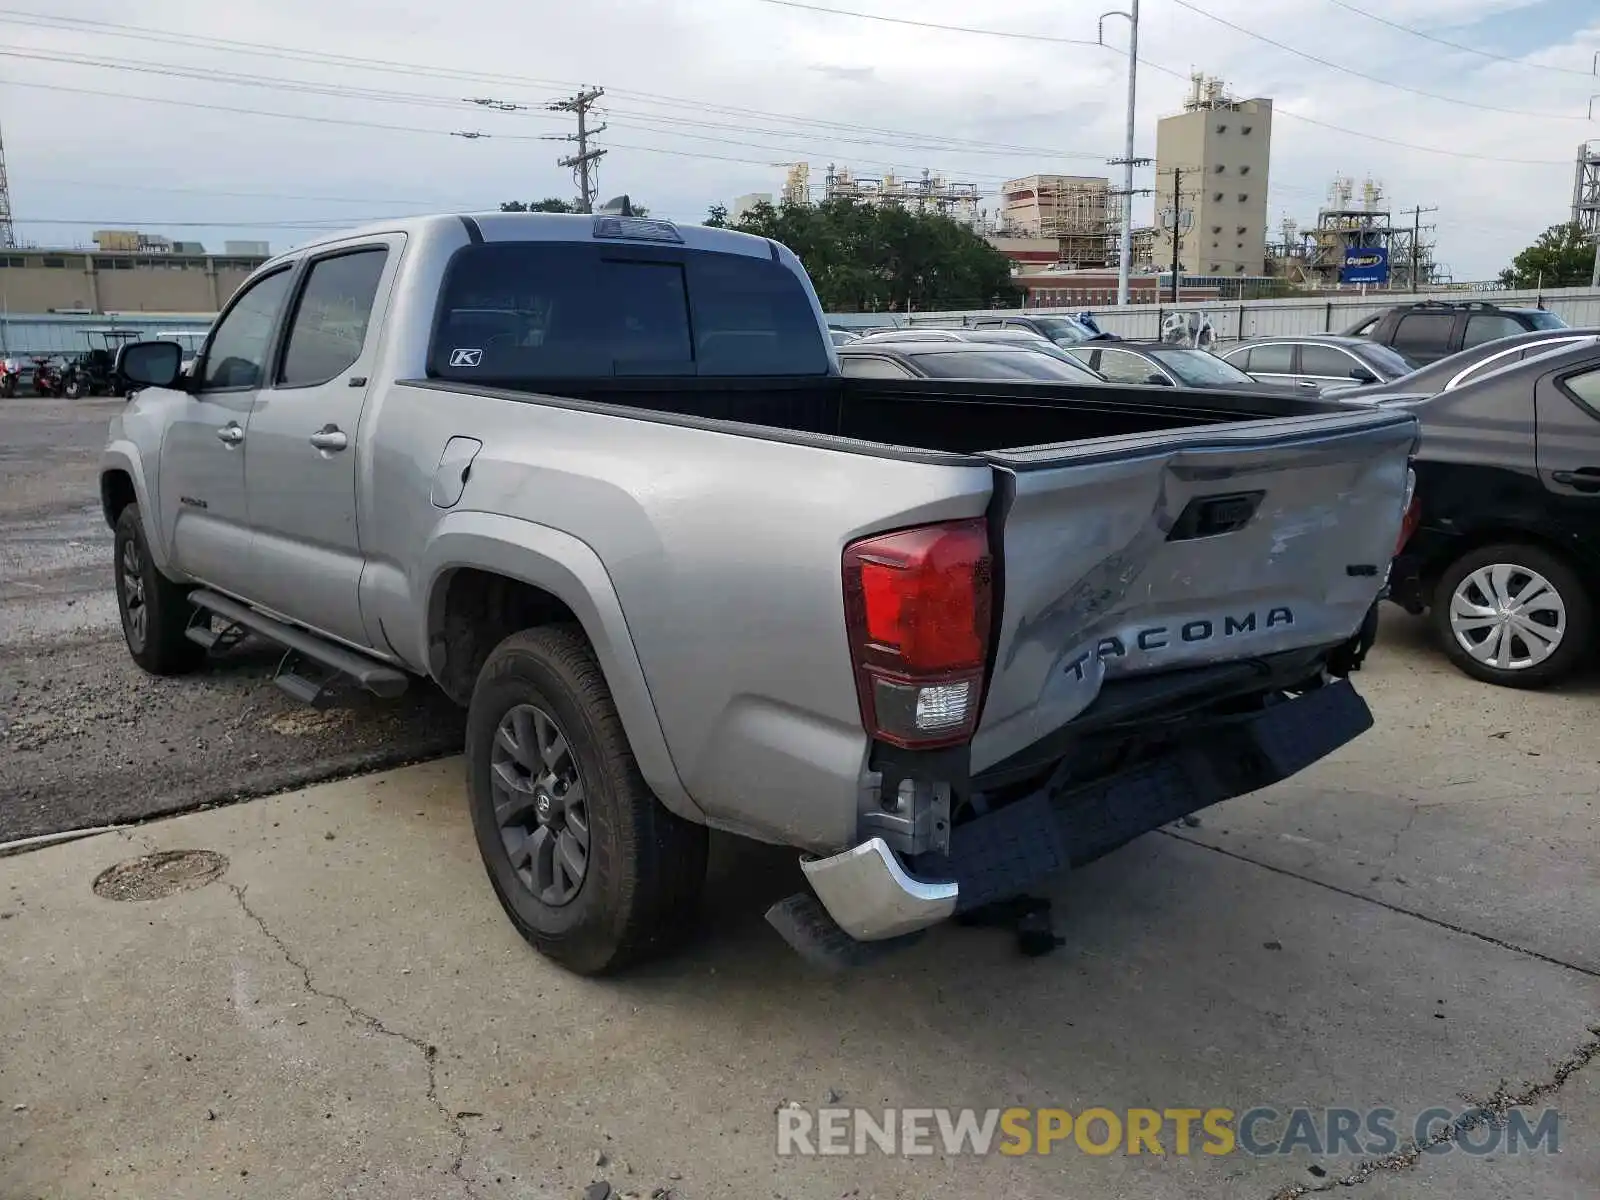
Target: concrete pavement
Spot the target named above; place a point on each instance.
(346, 1012)
(88, 739)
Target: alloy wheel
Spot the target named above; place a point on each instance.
(134, 613)
(540, 805)
(1508, 617)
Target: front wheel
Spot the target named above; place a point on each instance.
(72, 388)
(155, 611)
(591, 868)
(1513, 615)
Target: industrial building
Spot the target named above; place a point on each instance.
(1090, 288)
(1218, 151)
(125, 272)
(1074, 210)
(1354, 228)
(742, 205)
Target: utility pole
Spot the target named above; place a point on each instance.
(1416, 240)
(1174, 220)
(1125, 258)
(585, 162)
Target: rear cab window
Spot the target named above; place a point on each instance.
(519, 311)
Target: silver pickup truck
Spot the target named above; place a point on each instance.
(601, 481)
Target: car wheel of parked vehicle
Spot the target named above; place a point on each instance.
(1513, 615)
(155, 611)
(591, 868)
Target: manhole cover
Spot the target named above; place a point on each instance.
(158, 875)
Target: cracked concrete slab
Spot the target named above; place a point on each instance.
(1474, 805)
(159, 1047)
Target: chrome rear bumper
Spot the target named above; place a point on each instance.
(872, 897)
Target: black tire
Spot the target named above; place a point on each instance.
(644, 866)
(156, 640)
(1576, 634)
(72, 388)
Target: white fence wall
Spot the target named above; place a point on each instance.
(64, 333)
(1235, 319)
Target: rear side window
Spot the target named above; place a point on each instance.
(1487, 327)
(861, 366)
(1276, 359)
(1121, 367)
(515, 311)
(1586, 389)
(1424, 335)
(1326, 361)
(330, 321)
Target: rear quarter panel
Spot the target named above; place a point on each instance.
(724, 551)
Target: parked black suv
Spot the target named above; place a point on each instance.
(1430, 329)
(1506, 552)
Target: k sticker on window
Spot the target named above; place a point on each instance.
(465, 358)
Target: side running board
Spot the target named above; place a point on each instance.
(375, 677)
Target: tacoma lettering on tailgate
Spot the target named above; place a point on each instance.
(1202, 629)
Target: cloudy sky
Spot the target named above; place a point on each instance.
(268, 119)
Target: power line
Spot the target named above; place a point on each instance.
(1389, 83)
(1144, 62)
(1372, 137)
(122, 185)
(389, 66)
(346, 121)
(291, 54)
(1429, 37)
(648, 122)
(994, 33)
(645, 122)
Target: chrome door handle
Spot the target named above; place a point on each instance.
(230, 434)
(329, 437)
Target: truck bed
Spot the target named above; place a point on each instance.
(952, 416)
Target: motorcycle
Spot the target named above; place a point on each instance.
(10, 377)
(47, 377)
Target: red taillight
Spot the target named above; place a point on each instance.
(917, 604)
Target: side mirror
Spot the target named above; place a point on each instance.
(150, 364)
(1362, 375)
(1158, 379)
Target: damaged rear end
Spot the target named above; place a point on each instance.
(1140, 627)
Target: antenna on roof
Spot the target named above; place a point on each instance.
(618, 207)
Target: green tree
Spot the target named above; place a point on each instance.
(869, 258)
(548, 204)
(717, 216)
(1562, 257)
(552, 204)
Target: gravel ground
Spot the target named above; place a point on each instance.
(86, 738)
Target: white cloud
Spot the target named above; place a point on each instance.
(733, 60)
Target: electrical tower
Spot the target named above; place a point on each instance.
(8, 233)
(1586, 200)
(585, 163)
(1586, 190)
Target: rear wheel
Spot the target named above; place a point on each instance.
(155, 611)
(591, 868)
(1513, 615)
(72, 388)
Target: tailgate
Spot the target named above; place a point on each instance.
(1147, 553)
